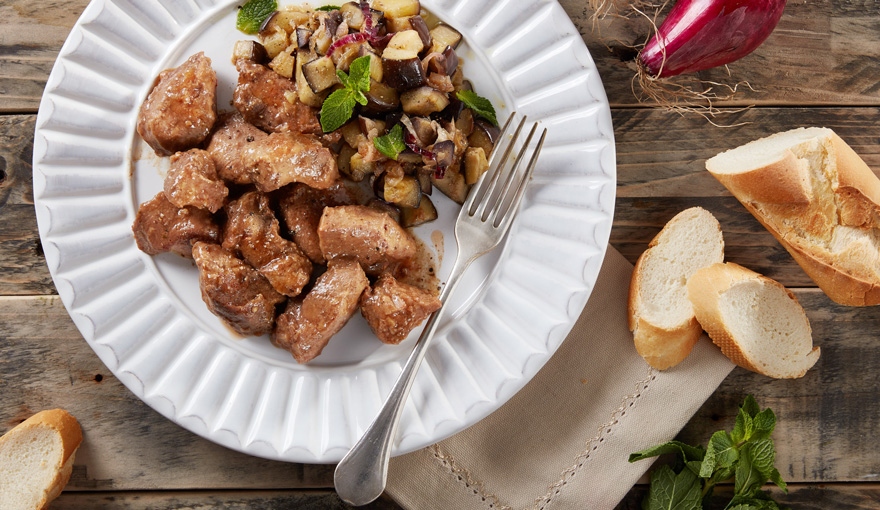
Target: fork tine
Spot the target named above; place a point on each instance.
(513, 208)
(501, 196)
(496, 161)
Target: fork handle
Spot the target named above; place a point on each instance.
(361, 475)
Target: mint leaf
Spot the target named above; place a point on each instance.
(336, 110)
(687, 451)
(339, 106)
(480, 105)
(776, 478)
(763, 456)
(391, 145)
(763, 423)
(327, 8)
(674, 492)
(721, 453)
(253, 13)
(750, 406)
(743, 428)
(748, 479)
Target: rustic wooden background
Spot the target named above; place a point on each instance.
(820, 67)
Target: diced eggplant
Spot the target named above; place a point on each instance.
(464, 123)
(320, 74)
(413, 217)
(423, 101)
(381, 99)
(419, 25)
(250, 50)
(371, 127)
(343, 160)
(352, 134)
(404, 190)
(425, 130)
(376, 67)
(352, 14)
(303, 36)
(443, 36)
(385, 207)
(269, 24)
(322, 39)
(444, 153)
(303, 90)
(395, 25)
(397, 8)
(410, 158)
(475, 164)
(403, 74)
(275, 41)
(284, 63)
(484, 136)
(332, 22)
(404, 45)
(452, 185)
(452, 61)
(291, 17)
(344, 56)
(424, 179)
(360, 168)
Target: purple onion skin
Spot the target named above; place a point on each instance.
(702, 34)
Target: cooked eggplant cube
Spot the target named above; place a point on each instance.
(284, 63)
(250, 50)
(303, 35)
(352, 14)
(275, 41)
(419, 25)
(475, 164)
(397, 8)
(404, 191)
(403, 74)
(381, 99)
(303, 90)
(359, 168)
(443, 36)
(425, 130)
(395, 25)
(413, 217)
(484, 136)
(423, 101)
(320, 74)
(403, 45)
(444, 153)
(452, 185)
(376, 67)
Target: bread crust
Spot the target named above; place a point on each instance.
(70, 432)
(661, 347)
(804, 229)
(705, 289)
(785, 181)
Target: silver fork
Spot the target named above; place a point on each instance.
(484, 219)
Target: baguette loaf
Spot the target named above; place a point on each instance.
(755, 321)
(660, 315)
(820, 201)
(36, 459)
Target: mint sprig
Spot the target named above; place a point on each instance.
(339, 106)
(327, 8)
(480, 105)
(392, 144)
(253, 13)
(746, 454)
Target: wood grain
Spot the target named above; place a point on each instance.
(219, 500)
(822, 53)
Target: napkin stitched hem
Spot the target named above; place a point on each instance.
(463, 476)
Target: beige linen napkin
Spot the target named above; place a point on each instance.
(564, 440)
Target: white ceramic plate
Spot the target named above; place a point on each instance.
(144, 316)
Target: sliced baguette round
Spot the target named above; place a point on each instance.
(821, 202)
(36, 459)
(660, 315)
(755, 321)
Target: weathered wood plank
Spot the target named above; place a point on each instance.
(128, 446)
(822, 52)
(800, 497)
(220, 500)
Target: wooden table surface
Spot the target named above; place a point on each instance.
(820, 67)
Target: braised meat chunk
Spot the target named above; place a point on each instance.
(301, 207)
(270, 102)
(370, 236)
(307, 324)
(192, 180)
(231, 139)
(393, 308)
(252, 230)
(235, 291)
(160, 227)
(180, 110)
(284, 158)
